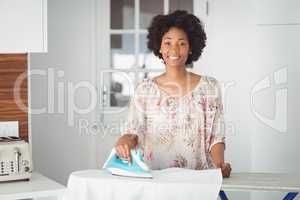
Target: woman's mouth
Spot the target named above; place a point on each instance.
(174, 57)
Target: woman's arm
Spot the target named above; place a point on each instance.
(217, 145)
(217, 154)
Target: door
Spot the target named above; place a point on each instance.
(123, 58)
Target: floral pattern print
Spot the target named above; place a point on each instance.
(177, 131)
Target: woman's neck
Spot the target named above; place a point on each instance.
(176, 73)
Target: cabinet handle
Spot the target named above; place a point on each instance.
(104, 97)
(207, 8)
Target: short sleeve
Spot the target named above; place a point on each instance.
(217, 134)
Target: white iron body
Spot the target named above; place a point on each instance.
(120, 167)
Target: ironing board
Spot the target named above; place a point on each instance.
(241, 182)
(289, 183)
(172, 183)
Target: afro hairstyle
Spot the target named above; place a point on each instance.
(180, 19)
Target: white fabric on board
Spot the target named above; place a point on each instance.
(171, 183)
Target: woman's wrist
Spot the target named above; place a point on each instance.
(218, 164)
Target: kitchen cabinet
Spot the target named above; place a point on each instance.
(277, 12)
(23, 26)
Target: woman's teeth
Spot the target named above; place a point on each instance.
(173, 57)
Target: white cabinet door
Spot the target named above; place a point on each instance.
(277, 11)
(23, 26)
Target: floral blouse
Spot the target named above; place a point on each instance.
(177, 131)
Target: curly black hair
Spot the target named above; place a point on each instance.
(181, 19)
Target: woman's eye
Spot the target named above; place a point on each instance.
(182, 44)
(168, 43)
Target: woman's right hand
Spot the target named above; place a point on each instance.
(124, 145)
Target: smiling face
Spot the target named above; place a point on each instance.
(175, 47)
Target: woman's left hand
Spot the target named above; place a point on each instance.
(226, 170)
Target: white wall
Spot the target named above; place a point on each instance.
(58, 147)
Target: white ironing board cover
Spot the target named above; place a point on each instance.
(172, 183)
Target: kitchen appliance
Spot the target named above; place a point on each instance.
(15, 159)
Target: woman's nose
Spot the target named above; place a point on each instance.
(174, 49)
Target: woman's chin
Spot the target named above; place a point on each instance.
(173, 64)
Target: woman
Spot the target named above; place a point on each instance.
(176, 117)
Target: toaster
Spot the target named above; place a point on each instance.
(15, 159)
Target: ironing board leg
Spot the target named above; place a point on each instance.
(222, 195)
(290, 196)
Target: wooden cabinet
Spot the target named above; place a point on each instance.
(14, 96)
(23, 26)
